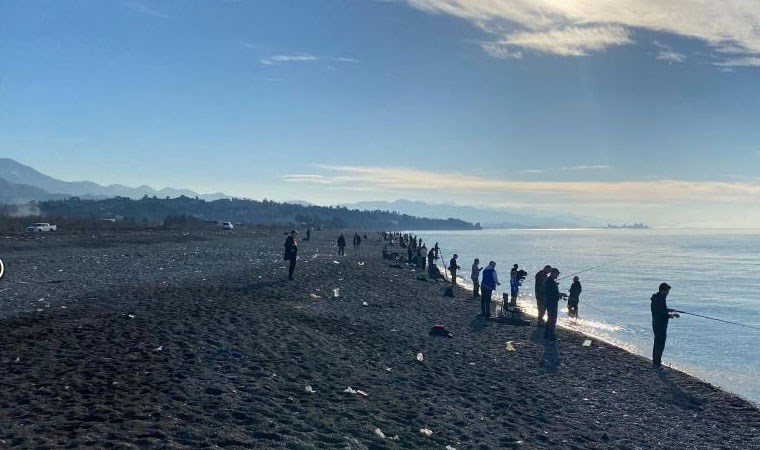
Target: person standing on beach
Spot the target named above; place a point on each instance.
(453, 267)
(357, 244)
(574, 299)
(540, 278)
(341, 245)
(291, 252)
(437, 250)
(661, 315)
(514, 284)
(490, 281)
(474, 276)
(551, 296)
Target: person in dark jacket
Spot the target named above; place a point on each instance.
(474, 276)
(291, 252)
(574, 298)
(551, 296)
(488, 285)
(540, 278)
(661, 314)
(453, 267)
(357, 244)
(341, 246)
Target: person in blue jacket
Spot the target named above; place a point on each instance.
(487, 286)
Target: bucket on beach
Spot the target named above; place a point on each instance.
(336, 292)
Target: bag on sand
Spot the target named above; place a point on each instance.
(440, 330)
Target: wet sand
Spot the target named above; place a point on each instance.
(197, 340)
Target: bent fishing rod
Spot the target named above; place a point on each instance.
(717, 320)
(600, 265)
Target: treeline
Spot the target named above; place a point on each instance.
(186, 212)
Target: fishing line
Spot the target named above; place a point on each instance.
(718, 320)
(600, 265)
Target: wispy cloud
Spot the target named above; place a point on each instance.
(287, 58)
(146, 10)
(533, 171)
(409, 180)
(666, 53)
(579, 27)
(586, 167)
(304, 57)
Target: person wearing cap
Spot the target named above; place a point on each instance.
(551, 296)
(291, 252)
(661, 314)
(540, 278)
(453, 267)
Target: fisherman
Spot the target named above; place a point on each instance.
(453, 267)
(514, 284)
(357, 244)
(341, 245)
(551, 296)
(291, 252)
(490, 281)
(437, 250)
(474, 276)
(540, 278)
(572, 301)
(661, 314)
(308, 234)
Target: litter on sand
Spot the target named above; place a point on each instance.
(365, 304)
(380, 433)
(314, 296)
(448, 447)
(349, 390)
(159, 348)
(510, 347)
(336, 262)
(360, 392)
(336, 292)
(361, 263)
(310, 389)
(420, 357)
(587, 343)
(426, 432)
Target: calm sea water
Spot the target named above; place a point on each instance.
(712, 272)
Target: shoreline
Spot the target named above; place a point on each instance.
(223, 357)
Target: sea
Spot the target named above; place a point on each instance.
(713, 273)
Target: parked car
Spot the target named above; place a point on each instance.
(227, 226)
(41, 227)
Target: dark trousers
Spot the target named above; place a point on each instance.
(551, 319)
(660, 328)
(572, 306)
(292, 267)
(541, 308)
(485, 301)
(453, 277)
(475, 287)
(341, 250)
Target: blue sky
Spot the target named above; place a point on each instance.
(622, 111)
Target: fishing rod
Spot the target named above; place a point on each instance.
(600, 265)
(718, 320)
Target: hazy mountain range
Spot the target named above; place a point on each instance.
(487, 217)
(21, 184)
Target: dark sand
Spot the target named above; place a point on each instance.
(196, 340)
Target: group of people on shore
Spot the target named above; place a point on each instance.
(485, 280)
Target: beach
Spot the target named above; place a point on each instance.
(196, 339)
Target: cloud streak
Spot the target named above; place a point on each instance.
(146, 10)
(579, 27)
(304, 57)
(633, 192)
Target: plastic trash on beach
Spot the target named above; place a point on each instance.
(159, 348)
(448, 447)
(336, 262)
(365, 304)
(388, 369)
(350, 390)
(426, 432)
(380, 433)
(310, 389)
(360, 392)
(361, 263)
(314, 296)
(420, 357)
(510, 347)
(131, 316)
(587, 343)
(336, 292)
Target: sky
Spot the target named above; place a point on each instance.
(620, 111)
